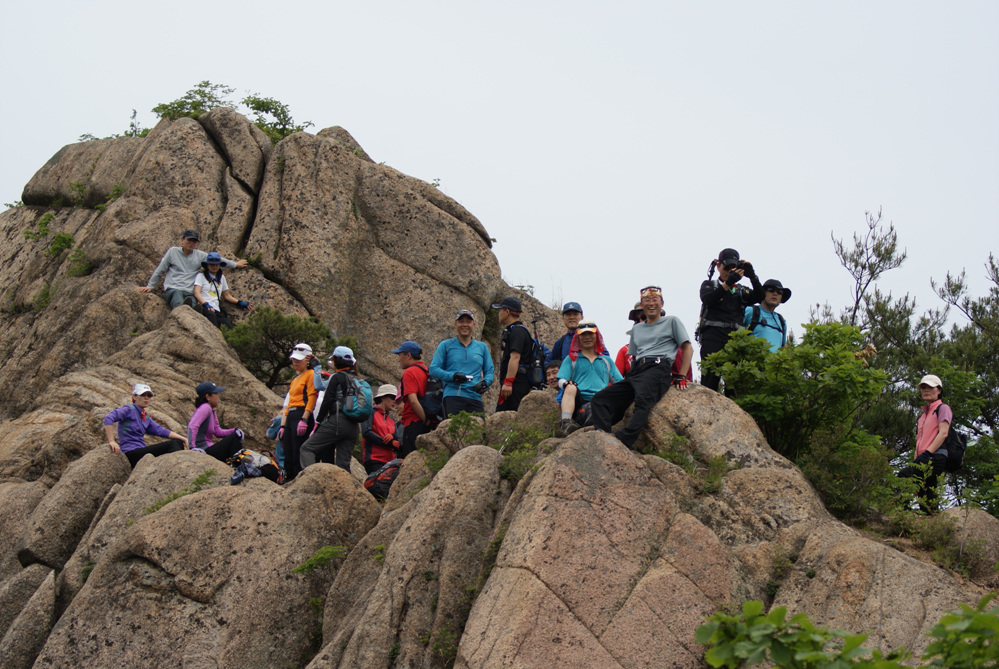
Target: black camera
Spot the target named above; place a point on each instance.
(742, 264)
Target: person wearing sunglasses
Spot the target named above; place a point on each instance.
(763, 320)
(583, 373)
(654, 344)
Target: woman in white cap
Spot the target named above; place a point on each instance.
(381, 443)
(934, 423)
(297, 420)
(134, 423)
(204, 428)
(336, 434)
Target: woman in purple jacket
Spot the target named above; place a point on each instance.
(203, 428)
(134, 424)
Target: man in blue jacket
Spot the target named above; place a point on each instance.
(572, 313)
(464, 366)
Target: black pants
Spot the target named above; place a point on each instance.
(409, 435)
(293, 443)
(217, 318)
(645, 385)
(928, 481)
(713, 339)
(455, 404)
(225, 448)
(155, 450)
(521, 386)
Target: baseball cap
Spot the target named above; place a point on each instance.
(298, 355)
(931, 380)
(464, 312)
(728, 257)
(141, 389)
(408, 346)
(191, 234)
(207, 388)
(511, 303)
(586, 327)
(343, 352)
(303, 347)
(572, 306)
(386, 389)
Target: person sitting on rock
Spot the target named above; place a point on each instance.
(583, 373)
(464, 367)
(336, 435)
(413, 389)
(763, 320)
(297, 421)
(204, 428)
(623, 360)
(551, 373)
(381, 442)
(134, 423)
(211, 288)
(181, 264)
(654, 345)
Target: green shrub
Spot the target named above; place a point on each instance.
(199, 483)
(78, 264)
(321, 558)
(116, 192)
(44, 297)
(60, 243)
(41, 227)
(465, 429)
(79, 193)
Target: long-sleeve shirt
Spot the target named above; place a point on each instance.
(374, 430)
(203, 428)
(474, 361)
(132, 426)
(180, 269)
(302, 393)
(724, 305)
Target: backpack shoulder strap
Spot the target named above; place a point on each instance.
(783, 329)
(755, 321)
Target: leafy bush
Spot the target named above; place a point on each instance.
(320, 558)
(521, 447)
(798, 390)
(273, 117)
(60, 243)
(203, 98)
(465, 429)
(265, 338)
(116, 192)
(44, 297)
(78, 264)
(41, 227)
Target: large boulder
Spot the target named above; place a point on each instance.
(24, 639)
(208, 578)
(18, 500)
(17, 590)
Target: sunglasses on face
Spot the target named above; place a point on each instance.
(771, 289)
(146, 395)
(586, 326)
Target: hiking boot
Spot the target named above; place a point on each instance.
(567, 427)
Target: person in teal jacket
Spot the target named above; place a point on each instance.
(763, 320)
(584, 373)
(464, 366)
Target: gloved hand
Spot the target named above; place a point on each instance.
(562, 383)
(281, 433)
(302, 427)
(387, 439)
(732, 278)
(395, 443)
(481, 387)
(243, 304)
(924, 458)
(459, 378)
(679, 381)
(239, 434)
(208, 308)
(314, 362)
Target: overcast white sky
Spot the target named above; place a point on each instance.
(605, 145)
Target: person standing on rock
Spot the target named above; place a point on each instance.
(336, 434)
(583, 373)
(412, 389)
(932, 428)
(181, 265)
(722, 305)
(516, 345)
(763, 320)
(464, 366)
(211, 289)
(297, 421)
(134, 424)
(381, 443)
(204, 428)
(654, 345)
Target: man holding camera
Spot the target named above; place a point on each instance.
(723, 304)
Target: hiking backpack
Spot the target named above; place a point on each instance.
(956, 444)
(433, 398)
(756, 322)
(379, 481)
(358, 404)
(251, 464)
(535, 363)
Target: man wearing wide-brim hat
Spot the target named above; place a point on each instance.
(763, 320)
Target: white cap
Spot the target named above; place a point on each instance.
(303, 347)
(386, 389)
(931, 380)
(141, 389)
(298, 355)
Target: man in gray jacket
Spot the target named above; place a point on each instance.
(181, 264)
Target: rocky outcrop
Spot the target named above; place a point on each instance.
(27, 634)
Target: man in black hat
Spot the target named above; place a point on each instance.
(763, 320)
(516, 346)
(181, 265)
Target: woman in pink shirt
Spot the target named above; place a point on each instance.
(203, 428)
(931, 432)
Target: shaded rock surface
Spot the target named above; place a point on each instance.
(25, 637)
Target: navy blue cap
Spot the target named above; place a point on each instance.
(207, 388)
(511, 303)
(408, 346)
(572, 306)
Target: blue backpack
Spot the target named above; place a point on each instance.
(358, 405)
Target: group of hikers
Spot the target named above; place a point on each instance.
(326, 412)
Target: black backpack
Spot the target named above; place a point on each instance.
(535, 363)
(956, 444)
(433, 399)
(756, 322)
